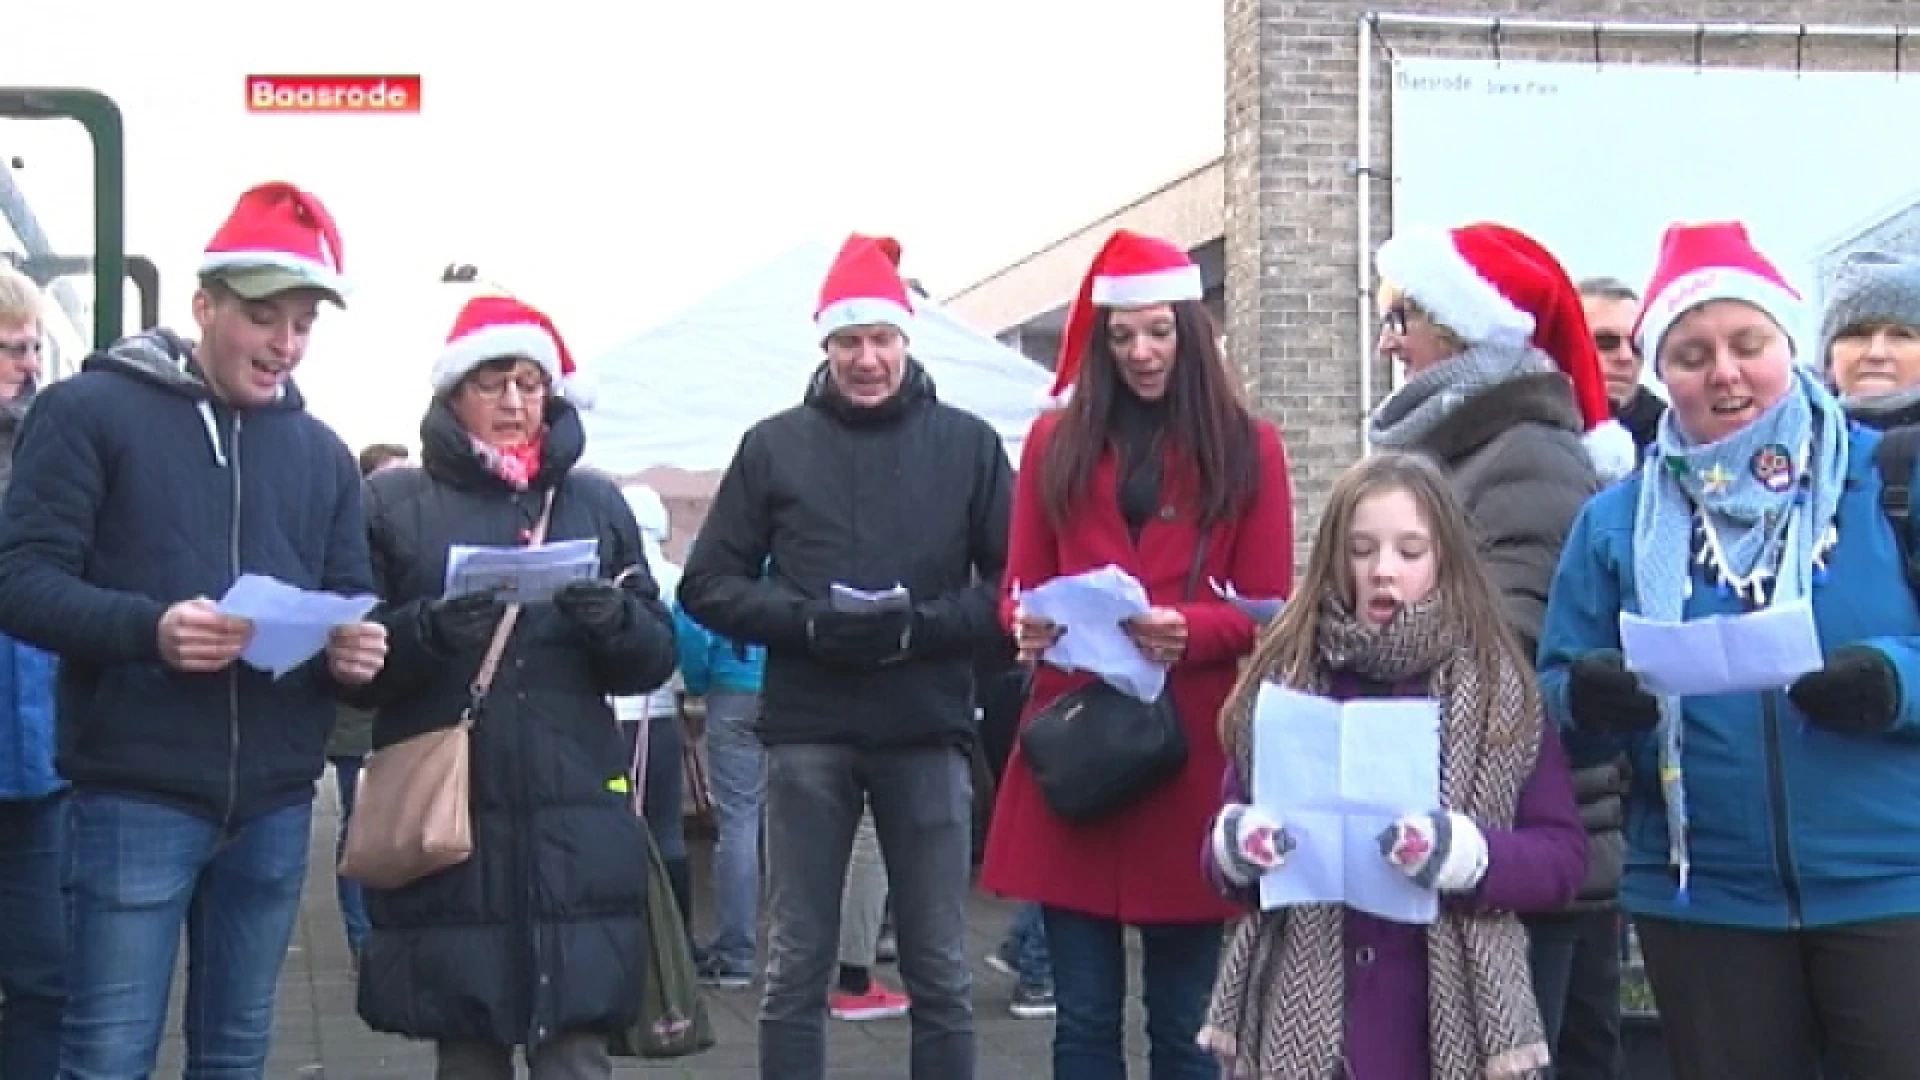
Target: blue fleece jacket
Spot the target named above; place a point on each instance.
(709, 662)
(1791, 825)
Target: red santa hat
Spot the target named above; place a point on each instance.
(1713, 261)
(495, 327)
(863, 288)
(1130, 270)
(1487, 282)
(278, 237)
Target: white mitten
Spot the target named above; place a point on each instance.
(1442, 850)
(1248, 842)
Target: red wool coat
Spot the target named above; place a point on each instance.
(1138, 866)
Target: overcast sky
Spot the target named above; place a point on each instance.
(614, 162)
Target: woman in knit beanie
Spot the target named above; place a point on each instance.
(1870, 338)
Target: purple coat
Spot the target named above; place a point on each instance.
(1535, 866)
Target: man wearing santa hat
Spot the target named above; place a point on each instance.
(144, 487)
(870, 486)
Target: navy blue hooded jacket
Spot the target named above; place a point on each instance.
(134, 489)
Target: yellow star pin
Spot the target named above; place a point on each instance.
(1715, 480)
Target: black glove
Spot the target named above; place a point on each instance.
(464, 622)
(597, 607)
(1857, 693)
(860, 639)
(1605, 697)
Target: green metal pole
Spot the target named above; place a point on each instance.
(101, 117)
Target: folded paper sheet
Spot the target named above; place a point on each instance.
(290, 625)
(1723, 654)
(1335, 775)
(870, 601)
(1092, 606)
(522, 575)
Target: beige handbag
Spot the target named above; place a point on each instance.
(412, 816)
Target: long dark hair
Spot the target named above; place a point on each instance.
(1208, 422)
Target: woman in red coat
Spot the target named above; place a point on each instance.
(1154, 449)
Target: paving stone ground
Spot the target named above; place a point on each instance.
(317, 1035)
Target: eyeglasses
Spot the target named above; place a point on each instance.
(20, 350)
(1608, 341)
(490, 389)
(1394, 319)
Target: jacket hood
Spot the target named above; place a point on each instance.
(165, 359)
(447, 453)
(916, 386)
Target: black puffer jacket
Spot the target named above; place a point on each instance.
(1601, 791)
(911, 492)
(540, 933)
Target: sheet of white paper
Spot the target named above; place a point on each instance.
(848, 598)
(290, 625)
(1723, 654)
(1091, 606)
(1334, 775)
(524, 575)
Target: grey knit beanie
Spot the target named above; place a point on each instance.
(1870, 286)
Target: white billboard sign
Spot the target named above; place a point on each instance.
(1595, 161)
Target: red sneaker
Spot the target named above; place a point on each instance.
(878, 1003)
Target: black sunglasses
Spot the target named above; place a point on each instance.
(1608, 341)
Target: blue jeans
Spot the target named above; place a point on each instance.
(737, 770)
(1028, 933)
(922, 805)
(33, 937)
(353, 899)
(138, 872)
(1178, 964)
(1552, 941)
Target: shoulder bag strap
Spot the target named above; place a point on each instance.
(483, 681)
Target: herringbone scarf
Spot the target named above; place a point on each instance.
(1278, 1004)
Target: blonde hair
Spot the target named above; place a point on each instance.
(1287, 648)
(1390, 295)
(19, 297)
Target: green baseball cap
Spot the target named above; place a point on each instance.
(261, 282)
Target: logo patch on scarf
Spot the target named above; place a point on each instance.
(1715, 480)
(1773, 467)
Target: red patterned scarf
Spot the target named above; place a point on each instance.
(519, 465)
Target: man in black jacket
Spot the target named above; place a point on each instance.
(144, 486)
(871, 483)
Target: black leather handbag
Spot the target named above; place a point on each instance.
(1095, 750)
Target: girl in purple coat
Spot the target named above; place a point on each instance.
(1395, 603)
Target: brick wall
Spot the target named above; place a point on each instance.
(1291, 198)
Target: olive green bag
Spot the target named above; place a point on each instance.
(673, 1018)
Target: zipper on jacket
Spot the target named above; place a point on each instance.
(1777, 805)
(233, 670)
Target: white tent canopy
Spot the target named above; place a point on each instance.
(683, 393)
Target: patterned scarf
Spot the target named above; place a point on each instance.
(1405, 417)
(1278, 1006)
(519, 465)
(1761, 503)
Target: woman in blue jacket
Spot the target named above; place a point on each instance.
(727, 674)
(1774, 837)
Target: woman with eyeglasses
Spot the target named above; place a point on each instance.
(535, 942)
(1505, 392)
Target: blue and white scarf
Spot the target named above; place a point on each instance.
(1763, 502)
